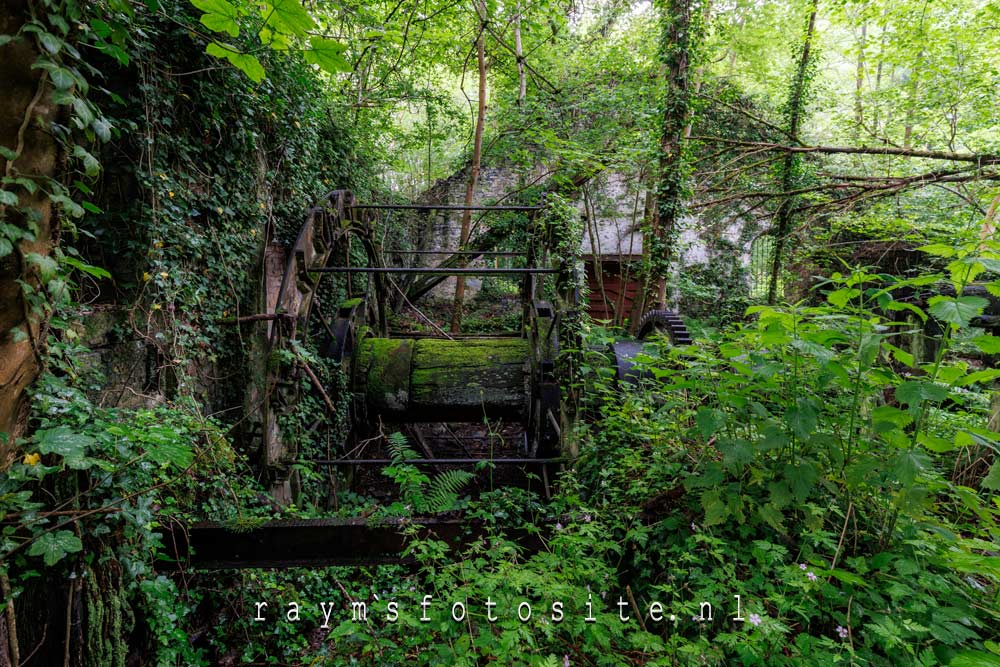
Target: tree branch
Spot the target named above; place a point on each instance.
(976, 158)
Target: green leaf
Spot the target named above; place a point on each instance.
(938, 250)
(66, 443)
(102, 29)
(899, 355)
(990, 264)
(27, 184)
(71, 207)
(114, 51)
(902, 305)
(62, 78)
(288, 16)
(276, 40)
(975, 659)
(83, 112)
(801, 418)
(841, 297)
(801, 479)
(913, 392)
(987, 375)
(772, 437)
(988, 344)
(53, 547)
(102, 128)
(50, 42)
(326, 54)
(709, 420)
(89, 269)
(47, 267)
(91, 166)
(219, 16)
(716, 510)
(8, 198)
(907, 464)
(887, 414)
(167, 447)
(772, 515)
(736, 452)
(964, 271)
(849, 578)
(244, 62)
(956, 310)
(992, 479)
(936, 443)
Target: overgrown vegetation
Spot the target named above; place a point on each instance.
(821, 471)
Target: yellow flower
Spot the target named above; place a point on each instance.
(219, 210)
(253, 232)
(262, 206)
(146, 276)
(163, 177)
(171, 193)
(156, 306)
(31, 459)
(158, 244)
(297, 123)
(164, 275)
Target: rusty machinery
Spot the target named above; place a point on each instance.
(412, 379)
(408, 378)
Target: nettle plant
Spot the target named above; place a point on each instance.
(809, 461)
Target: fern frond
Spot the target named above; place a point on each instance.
(399, 448)
(443, 491)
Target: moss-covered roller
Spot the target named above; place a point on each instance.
(443, 380)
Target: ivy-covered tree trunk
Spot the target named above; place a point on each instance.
(28, 150)
(790, 164)
(679, 38)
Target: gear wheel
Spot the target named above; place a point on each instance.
(667, 322)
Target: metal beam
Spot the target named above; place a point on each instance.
(442, 207)
(477, 253)
(458, 461)
(428, 270)
(313, 542)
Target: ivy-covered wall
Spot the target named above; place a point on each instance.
(162, 174)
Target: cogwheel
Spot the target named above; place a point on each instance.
(667, 322)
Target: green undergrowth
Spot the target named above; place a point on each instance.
(802, 460)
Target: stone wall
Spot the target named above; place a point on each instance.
(616, 201)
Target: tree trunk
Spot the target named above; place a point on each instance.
(790, 165)
(477, 153)
(522, 79)
(26, 111)
(681, 26)
(859, 82)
